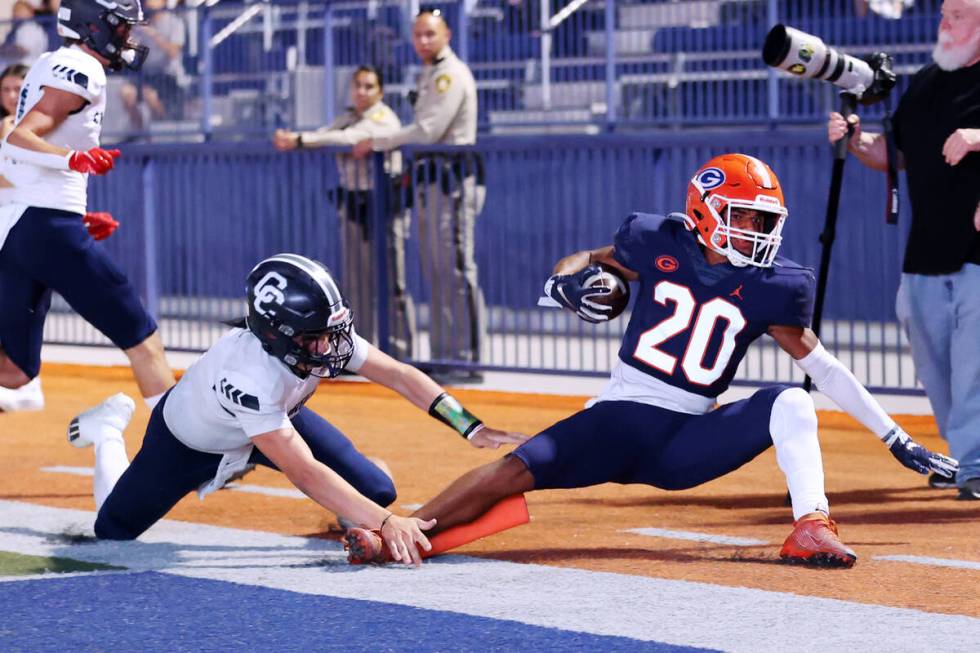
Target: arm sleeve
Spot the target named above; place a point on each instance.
(837, 382)
(432, 120)
(364, 128)
(249, 404)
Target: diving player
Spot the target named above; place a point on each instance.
(46, 233)
(710, 284)
(242, 403)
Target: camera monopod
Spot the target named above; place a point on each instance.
(865, 81)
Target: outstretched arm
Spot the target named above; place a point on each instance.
(292, 455)
(26, 142)
(837, 382)
(428, 395)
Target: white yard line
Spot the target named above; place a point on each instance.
(696, 537)
(932, 562)
(670, 611)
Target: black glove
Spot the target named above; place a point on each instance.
(916, 457)
(573, 292)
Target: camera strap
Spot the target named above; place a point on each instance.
(891, 209)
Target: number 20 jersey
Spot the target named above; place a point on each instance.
(691, 333)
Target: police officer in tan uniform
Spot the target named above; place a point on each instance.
(449, 194)
(368, 117)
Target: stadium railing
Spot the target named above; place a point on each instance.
(195, 218)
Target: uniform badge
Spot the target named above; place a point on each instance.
(443, 82)
(666, 263)
(378, 116)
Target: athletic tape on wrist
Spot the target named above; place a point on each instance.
(40, 159)
(450, 412)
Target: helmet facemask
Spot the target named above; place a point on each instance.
(764, 243)
(324, 359)
(122, 50)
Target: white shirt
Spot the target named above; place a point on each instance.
(237, 391)
(629, 384)
(75, 71)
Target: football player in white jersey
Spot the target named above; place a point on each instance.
(30, 396)
(46, 233)
(243, 402)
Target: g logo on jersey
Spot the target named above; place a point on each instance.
(710, 178)
(269, 291)
(666, 263)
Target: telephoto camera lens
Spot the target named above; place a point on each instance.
(806, 55)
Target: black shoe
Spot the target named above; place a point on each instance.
(940, 482)
(970, 491)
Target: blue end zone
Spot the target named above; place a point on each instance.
(159, 612)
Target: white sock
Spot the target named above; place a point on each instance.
(110, 463)
(793, 426)
(152, 401)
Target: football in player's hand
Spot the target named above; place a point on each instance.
(619, 290)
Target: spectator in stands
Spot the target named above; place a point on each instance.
(448, 195)
(162, 80)
(27, 39)
(885, 8)
(30, 396)
(937, 133)
(369, 116)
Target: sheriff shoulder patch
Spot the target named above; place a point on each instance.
(443, 82)
(378, 116)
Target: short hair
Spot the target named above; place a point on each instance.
(374, 71)
(432, 11)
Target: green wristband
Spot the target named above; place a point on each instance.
(450, 412)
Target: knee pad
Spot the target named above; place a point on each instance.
(793, 413)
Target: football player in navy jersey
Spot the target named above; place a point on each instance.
(710, 283)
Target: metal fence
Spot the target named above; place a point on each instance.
(244, 69)
(197, 217)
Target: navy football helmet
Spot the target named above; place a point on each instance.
(104, 26)
(293, 303)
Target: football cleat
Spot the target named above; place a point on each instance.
(815, 541)
(113, 414)
(365, 547)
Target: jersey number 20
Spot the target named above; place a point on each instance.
(710, 313)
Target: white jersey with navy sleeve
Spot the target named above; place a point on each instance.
(73, 70)
(237, 391)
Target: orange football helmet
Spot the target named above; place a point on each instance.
(736, 181)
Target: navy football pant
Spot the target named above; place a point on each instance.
(50, 250)
(629, 442)
(165, 470)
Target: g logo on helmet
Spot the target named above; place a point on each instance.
(711, 178)
(269, 291)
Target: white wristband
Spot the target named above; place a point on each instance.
(479, 427)
(33, 157)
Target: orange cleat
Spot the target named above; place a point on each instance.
(365, 547)
(814, 541)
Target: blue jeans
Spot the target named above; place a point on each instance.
(941, 316)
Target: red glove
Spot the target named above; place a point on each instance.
(97, 161)
(100, 225)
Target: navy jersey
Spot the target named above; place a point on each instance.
(692, 333)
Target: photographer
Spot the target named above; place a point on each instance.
(937, 135)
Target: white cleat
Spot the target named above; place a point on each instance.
(25, 398)
(111, 415)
